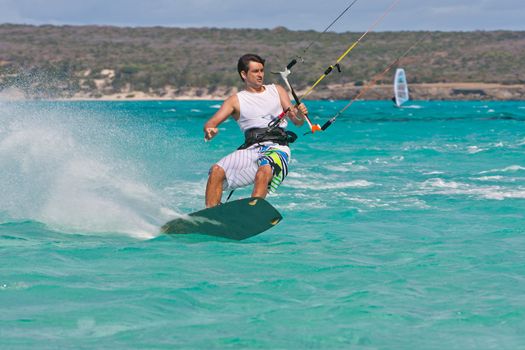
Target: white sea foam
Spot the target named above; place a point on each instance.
(48, 176)
(440, 186)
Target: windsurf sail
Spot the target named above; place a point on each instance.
(400, 87)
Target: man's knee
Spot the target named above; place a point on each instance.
(216, 171)
(265, 171)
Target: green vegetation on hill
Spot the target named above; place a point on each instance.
(59, 61)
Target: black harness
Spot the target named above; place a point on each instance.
(275, 134)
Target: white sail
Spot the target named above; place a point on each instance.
(400, 87)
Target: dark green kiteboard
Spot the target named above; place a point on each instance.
(239, 219)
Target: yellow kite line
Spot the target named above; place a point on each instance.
(372, 82)
(329, 69)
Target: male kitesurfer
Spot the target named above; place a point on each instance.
(263, 158)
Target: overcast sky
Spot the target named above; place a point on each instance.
(445, 15)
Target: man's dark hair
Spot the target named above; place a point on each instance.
(244, 61)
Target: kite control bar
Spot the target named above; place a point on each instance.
(284, 76)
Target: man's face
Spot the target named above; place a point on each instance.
(255, 74)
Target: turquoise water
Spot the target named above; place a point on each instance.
(403, 229)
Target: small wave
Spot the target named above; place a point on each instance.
(356, 167)
(296, 175)
(296, 206)
(512, 168)
(500, 195)
(347, 167)
(391, 205)
(369, 202)
(329, 186)
(188, 193)
(474, 149)
(437, 182)
(489, 178)
(338, 168)
(15, 286)
(398, 158)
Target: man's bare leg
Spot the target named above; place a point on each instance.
(262, 179)
(214, 186)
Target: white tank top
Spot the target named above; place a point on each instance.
(257, 109)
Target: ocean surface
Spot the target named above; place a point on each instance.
(403, 229)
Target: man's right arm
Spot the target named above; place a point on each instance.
(228, 108)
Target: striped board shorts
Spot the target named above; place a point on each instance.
(242, 165)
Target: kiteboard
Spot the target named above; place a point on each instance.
(238, 220)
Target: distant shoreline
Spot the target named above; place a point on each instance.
(434, 91)
(157, 63)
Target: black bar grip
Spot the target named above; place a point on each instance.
(291, 64)
(295, 97)
(327, 124)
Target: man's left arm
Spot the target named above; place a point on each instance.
(296, 113)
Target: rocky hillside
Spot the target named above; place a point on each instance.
(100, 62)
